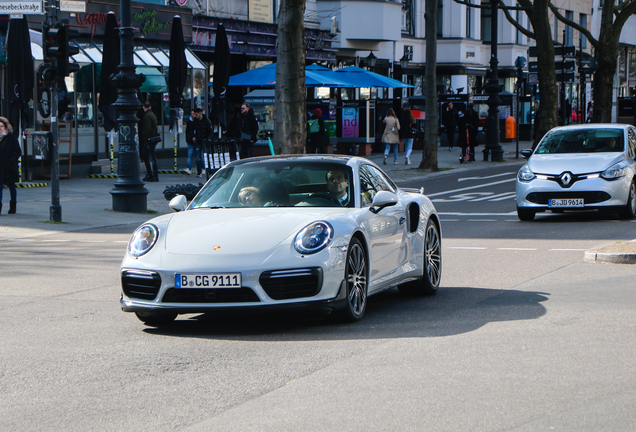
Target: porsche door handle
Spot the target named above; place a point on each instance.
(402, 220)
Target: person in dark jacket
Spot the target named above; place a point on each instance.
(148, 128)
(407, 132)
(9, 156)
(316, 141)
(189, 142)
(248, 129)
(472, 124)
(449, 117)
(202, 131)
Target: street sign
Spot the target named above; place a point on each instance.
(19, 7)
(570, 51)
(73, 6)
(588, 66)
(570, 65)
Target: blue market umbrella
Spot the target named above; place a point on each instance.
(365, 78)
(265, 76)
(110, 63)
(222, 110)
(20, 73)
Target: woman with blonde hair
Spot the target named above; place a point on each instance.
(9, 156)
(391, 136)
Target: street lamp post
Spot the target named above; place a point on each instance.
(129, 194)
(493, 88)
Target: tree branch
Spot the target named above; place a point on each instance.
(574, 25)
(514, 22)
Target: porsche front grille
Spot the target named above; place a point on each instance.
(212, 295)
(291, 284)
(140, 284)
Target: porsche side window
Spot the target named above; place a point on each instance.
(372, 181)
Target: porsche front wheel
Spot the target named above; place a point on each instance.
(356, 277)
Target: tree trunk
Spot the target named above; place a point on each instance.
(546, 116)
(429, 154)
(606, 53)
(290, 119)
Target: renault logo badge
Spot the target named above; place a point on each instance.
(566, 178)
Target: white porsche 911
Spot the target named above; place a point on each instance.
(284, 231)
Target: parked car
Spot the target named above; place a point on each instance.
(284, 231)
(580, 167)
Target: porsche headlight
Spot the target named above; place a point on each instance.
(314, 237)
(525, 174)
(614, 172)
(142, 240)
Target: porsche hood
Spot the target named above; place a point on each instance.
(217, 232)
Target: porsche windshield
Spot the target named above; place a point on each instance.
(280, 183)
(600, 140)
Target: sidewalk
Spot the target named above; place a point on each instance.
(87, 203)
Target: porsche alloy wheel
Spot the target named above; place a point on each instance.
(356, 276)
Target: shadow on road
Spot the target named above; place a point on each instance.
(388, 315)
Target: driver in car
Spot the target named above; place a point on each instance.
(338, 186)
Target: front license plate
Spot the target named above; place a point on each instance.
(207, 280)
(566, 202)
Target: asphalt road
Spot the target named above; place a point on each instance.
(523, 335)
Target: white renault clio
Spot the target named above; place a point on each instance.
(580, 167)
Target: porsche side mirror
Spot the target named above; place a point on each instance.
(178, 203)
(383, 199)
(526, 153)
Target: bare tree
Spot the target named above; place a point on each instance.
(429, 154)
(290, 119)
(537, 12)
(613, 18)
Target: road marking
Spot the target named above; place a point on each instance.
(499, 197)
(517, 249)
(468, 248)
(486, 177)
(567, 250)
(477, 214)
(471, 187)
(482, 220)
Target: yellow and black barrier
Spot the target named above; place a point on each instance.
(102, 176)
(30, 185)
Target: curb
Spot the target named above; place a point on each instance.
(615, 253)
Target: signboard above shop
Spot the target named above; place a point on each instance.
(20, 7)
(150, 23)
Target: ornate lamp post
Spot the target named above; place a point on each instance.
(371, 59)
(129, 194)
(493, 88)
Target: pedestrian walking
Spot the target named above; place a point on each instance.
(316, 133)
(202, 131)
(9, 156)
(407, 133)
(449, 117)
(189, 141)
(391, 135)
(248, 129)
(472, 126)
(147, 138)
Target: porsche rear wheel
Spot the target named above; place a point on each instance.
(356, 278)
(156, 319)
(432, 268)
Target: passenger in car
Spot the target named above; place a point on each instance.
(250, 196)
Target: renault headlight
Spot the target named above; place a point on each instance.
(142, 240)
(525, 174)
(314, 237)
(614, 172)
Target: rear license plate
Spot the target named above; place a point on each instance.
(207, 280)
(566, 202)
